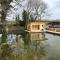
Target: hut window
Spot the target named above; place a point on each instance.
(35, 27)
(42, 25)
(38, 27)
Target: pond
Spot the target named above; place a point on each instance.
(30, 46)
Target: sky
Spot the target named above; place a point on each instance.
(53, 9)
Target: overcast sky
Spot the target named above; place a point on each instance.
(53, 8)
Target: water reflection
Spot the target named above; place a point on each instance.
(11, 38)
(6, 52)
(34, 52)
(5, 49)
(34, 49)
(25, 46)
(36, 36)
(33, 37)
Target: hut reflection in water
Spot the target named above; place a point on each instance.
(26, 47)
(36, 36)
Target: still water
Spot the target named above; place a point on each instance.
(30, 46)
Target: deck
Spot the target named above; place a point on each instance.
(54, 32)
(34, 31)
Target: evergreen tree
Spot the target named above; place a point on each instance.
(25, 17)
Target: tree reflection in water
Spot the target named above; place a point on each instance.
(27, 47)
(5, 50)
(34, 48)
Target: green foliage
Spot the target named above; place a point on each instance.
(18, 20)
(25, 17)
(5, 7)
(5, 1)
(6, 52)
(2, 1)
(3, 16)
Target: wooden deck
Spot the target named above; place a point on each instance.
(54, 32)
(34, 31)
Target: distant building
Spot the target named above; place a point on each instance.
(54, 26)
(36, 26)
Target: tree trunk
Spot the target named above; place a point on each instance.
(4, 34)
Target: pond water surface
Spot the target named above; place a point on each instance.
(30, 46)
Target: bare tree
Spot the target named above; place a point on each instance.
(36, 8)
(5, 6)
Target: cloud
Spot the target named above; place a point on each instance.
(50, 2)
(54, 7)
